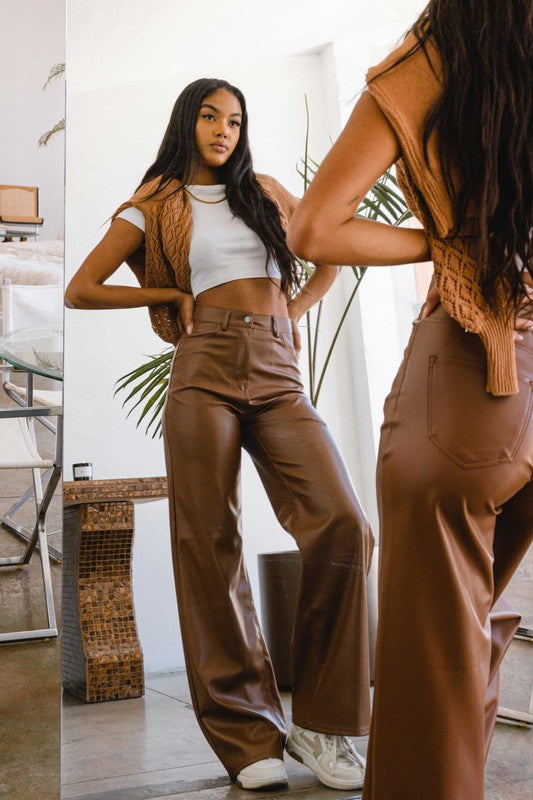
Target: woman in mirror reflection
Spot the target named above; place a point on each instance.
(452, 108)
(206, 238)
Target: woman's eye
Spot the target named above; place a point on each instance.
(208, 116)
(235, 123)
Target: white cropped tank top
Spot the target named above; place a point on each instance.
(223, 247)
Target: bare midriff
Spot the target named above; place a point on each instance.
(258, 295)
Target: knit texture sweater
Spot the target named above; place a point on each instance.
(163, 260)
(405, 93)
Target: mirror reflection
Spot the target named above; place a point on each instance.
(244, 401)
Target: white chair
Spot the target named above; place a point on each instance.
(18, 450)
(27, 306)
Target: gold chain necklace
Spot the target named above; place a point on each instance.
(200, 200)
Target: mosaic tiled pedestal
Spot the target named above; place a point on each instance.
(101, 653)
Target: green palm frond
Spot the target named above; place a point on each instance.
(55, 72)
(148, 383)
(59, 126)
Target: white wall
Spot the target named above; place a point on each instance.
(33, 41)
(116, 118)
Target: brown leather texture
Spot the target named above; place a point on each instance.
(456, 512)
(235, 384)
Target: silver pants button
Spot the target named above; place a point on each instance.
(247, 318)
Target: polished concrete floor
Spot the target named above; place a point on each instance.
(29, 672)
(151, 747)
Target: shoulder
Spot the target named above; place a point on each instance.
(148, 197)
(411, 73)
(278, 192)
(153, 191)
(406, 85)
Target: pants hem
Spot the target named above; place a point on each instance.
(362, 731)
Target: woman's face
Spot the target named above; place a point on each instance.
(218, 128)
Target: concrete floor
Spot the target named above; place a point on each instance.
(151, 747)
(30, 689)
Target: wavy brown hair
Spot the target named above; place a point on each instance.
(484, 128)
(178, 158)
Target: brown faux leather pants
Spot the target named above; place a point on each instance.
(235, 383)
(456, 510)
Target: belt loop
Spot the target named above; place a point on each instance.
(225, 321)
(274, 327)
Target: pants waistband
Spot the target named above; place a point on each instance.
(245, 319)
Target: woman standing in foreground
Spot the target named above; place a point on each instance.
(206, 238)
(452, 107)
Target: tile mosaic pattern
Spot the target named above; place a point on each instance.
(101, 654)
(75, 492)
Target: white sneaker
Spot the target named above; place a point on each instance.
(333, 759)
(264, 774)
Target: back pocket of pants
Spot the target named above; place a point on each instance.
(469, 425)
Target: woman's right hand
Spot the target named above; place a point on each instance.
(523, 320)
(431, 302)
(185, 303)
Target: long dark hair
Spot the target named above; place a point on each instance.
(484, 127)
(178, 158)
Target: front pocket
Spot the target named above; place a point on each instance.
(201, 330)
(283, 354)
(199, 353)
(196, 341)
(469, 425)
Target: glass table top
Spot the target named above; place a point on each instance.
(39, 350)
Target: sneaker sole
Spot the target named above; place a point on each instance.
(309, 761)
(266, 783)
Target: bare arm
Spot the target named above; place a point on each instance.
(320, 280)
(88, 290)
(323, 227)
(314, 289)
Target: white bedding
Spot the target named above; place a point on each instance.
(32, 262)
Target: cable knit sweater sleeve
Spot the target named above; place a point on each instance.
(151, 264)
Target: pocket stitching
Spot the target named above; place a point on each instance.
(446, 450)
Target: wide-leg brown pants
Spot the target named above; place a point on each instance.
(235, 383)
(456, 512)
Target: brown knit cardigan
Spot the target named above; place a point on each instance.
(163, 260)
(405, 93)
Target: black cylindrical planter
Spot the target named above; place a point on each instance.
(279, 579)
